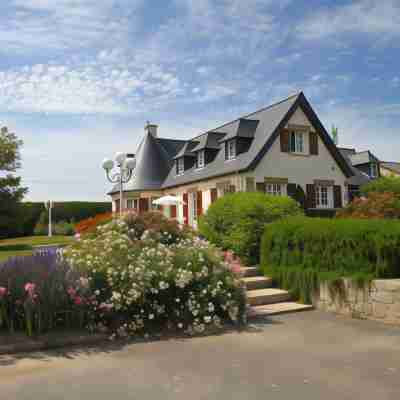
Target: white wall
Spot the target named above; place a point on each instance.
(300, 169)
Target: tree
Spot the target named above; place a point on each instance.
(335, 135)
(11, 193)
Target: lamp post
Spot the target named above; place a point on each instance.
(125, 166)
(49, 205)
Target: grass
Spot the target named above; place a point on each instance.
(23, 246)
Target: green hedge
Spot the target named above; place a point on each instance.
(384, 184)
(236, 221)
(301, 252)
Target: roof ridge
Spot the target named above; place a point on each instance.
(248, 115)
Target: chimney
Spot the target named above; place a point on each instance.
(151, 128)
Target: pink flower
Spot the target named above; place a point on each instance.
(229, 256)
(30, 288)
(3, 291)
(71, 291)
(77, 236)
(78, 300)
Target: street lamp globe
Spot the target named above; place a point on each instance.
(108, 164)
(130, 163)
(120, 158)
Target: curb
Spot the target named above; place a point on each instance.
(41, 345)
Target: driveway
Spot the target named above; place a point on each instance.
(310, 355)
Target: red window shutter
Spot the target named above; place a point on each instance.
(199, 203)
(284, 141)
(313, 143)
(143, 205)
(311, 200)
(185, 209)
(214, 195)
(337, 196)
(173, 211)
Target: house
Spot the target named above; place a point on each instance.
(365, 167)
(282, 149)
(390, 168)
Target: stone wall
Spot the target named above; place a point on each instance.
(380, 301)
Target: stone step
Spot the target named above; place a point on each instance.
(257, 282)
(278, 308)
(250, 271)
(260, 297)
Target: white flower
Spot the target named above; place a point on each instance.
(151, 316)
(180, 325)
(207, 319)
(97, 292)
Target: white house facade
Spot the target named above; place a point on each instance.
(283, 150)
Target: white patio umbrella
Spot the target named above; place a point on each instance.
(168, 201)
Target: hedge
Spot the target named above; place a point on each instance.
(301, 252)
(382, 185)
(236, 221)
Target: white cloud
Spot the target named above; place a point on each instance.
(363, 16)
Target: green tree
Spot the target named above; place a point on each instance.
(11, 192)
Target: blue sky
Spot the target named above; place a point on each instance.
(79, 78)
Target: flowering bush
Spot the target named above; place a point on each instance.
(90, 224)
(35, 294)
(148, 274)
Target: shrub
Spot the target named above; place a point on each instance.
(90, 224)
(384, 184)
(146, 283)
(61, 228)
(376, 205)
(236, 221)
(301, 252)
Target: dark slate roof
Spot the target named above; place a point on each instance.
(359, 178)
(392, 166)
(270, 121)
(209, 140)
(187, 149)
(244, 128)
(153, 161)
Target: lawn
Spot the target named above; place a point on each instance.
(24, 246)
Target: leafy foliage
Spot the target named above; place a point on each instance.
(382, 185)
(237, 221)
(11, 193)
(377, 205)
(301, 252)
(90, 224)
(61, 228)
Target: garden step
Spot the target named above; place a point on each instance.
(250, 271)
(257, 282)
(260, 297)
(278, 308)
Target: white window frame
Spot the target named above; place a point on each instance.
(323, 196)
(373, 170)
(299, 142)
(129, 203)
(136, 204)
(231, 149)
(180, 166)
(201, 159)
(275, 189)
(192, 208)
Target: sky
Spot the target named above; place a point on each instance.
(80, 78)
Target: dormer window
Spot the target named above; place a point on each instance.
(200, 159)
(180, 166)
(230, 149)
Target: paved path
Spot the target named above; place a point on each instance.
(309, 355)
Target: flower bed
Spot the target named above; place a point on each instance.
(138, 275)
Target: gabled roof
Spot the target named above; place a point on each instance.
(391, 166)
(270, 121)
(359, 178)
(363, 157)
(209, 140)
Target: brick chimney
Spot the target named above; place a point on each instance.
(151, 128)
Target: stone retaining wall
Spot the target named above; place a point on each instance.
(381, 301)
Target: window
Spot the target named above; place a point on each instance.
(180, 169)
(373, 170)
(230, 150)
(296, 142)
(129, 203)
(193, 207)
(323, 197)
(200, 159)
(136, 204)
(275, 189)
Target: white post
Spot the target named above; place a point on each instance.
(50, 230)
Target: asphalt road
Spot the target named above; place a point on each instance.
(311, 355)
